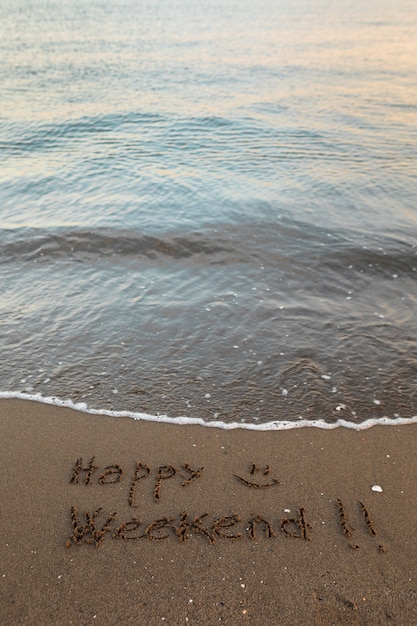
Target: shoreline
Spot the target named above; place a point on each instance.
(107, 519)
(273, 425)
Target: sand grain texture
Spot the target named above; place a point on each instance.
(313, 543)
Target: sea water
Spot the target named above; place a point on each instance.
(208, 209)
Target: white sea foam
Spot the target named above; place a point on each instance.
(183, 420)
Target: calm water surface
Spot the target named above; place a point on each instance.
(208, 209)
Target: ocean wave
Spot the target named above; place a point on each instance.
(194, 421)
(271, 244)
(84, 244)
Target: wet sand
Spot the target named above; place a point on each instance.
(109, 520)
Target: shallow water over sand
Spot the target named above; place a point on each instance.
(209, 210)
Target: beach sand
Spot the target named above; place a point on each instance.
(174, 525)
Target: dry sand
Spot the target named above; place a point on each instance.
(278, 528)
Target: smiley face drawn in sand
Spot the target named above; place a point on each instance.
(255, 471)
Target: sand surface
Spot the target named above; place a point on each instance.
(114, 521)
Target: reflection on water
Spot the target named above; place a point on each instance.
(209, 209)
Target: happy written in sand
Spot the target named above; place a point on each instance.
(94, 526)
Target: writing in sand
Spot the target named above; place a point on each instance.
(95, 525)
